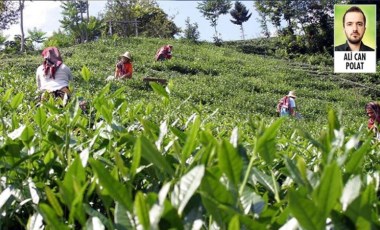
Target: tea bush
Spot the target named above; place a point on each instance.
(206, 151)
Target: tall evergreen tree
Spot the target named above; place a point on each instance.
(211, 10)
(241, 15)
(71, 20)
(83, 8)
(77, 24)
(191, 32)
(264, 25)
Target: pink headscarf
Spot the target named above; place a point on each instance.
(375, 107)
(52, 60)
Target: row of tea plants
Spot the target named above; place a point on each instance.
(191, 155)
(113, 168)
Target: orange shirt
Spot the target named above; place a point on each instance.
(123, 68)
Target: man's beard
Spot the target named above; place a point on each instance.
(355, 40)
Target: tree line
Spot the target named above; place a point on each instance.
(304, 26)
(121, 18)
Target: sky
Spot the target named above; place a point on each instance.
(45, 16)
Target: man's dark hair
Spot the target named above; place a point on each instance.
(353, 9)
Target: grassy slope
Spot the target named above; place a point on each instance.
(238, 85)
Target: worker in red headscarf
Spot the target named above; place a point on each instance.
(53, 75)
(163, 53)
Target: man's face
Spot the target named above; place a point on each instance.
(354, 27)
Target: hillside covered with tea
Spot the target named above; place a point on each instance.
(206, 150)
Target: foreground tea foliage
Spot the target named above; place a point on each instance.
(204, 152)
(115, 167)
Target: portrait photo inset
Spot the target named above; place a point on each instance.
(354, 24)
(355, 38)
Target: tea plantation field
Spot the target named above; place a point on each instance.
(206, 151)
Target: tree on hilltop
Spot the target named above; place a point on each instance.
(71, 21)
(241, 15)
(154, 22)
(138, 17)
(211, 10)
(80, 27)
(311, 19)
(36, 36)
(191, 32)
(83, 8)
(9, 13)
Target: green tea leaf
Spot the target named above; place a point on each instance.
(97, 219)
(178, 133)
(52, 108)
(341, 221)
(135, 160)
(40, 117)
(94, 223)
(107, 114)
(151, 154)
(251, 202)
(295, 174)
(122, 218)
(16, 101)
(266, 143)
(356, 160)
(234, 223)
(54, 138)
(159, 89)
(102, 92)
(330, 186)
(217, 200)
(5, 195)
(117, 190)
(306, 212)
(230, 162)
(53, 201)
(186, 187)
(302, 168)
(75, 173)
(17, 132)
(350, 192)
(28, 134)
(118, 92)
(86, 74)
(333, 123)
(7, 95)
(360, 209)
(35, 221)
(50, 217)
(264, 180)
(190, 140)
(73, 182)
(141, 210)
